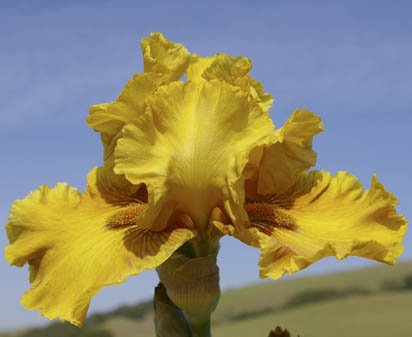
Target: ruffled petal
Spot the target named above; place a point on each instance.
(290, 155)
(257, 93)
(163, 56)
(109, 118)
(197, 67)
(230, 69)
(164, 61)
(324, 216)
(76, 244)
(233, 70)
(191, 147)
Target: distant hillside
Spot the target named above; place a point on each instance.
(375, 302)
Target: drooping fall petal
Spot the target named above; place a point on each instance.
(76, 244)
(191, 147)
(324, 216)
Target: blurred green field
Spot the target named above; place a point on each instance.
(373, 302)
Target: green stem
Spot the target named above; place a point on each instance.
(201, 329)
(199, 247)
(191, 282)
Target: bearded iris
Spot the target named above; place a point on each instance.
(186, 162)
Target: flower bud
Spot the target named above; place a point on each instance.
(192, 284)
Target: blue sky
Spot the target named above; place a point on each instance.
(348, 61)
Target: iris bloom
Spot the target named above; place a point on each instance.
(191, 161)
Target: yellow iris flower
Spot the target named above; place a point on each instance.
(192, 161)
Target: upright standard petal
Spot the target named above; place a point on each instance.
(109, 118)
(197, 67)
(190, 149)
(233, 70)
(163, 56)
(164, 61)
(76, 244)
(324, 216)
(291, 153)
